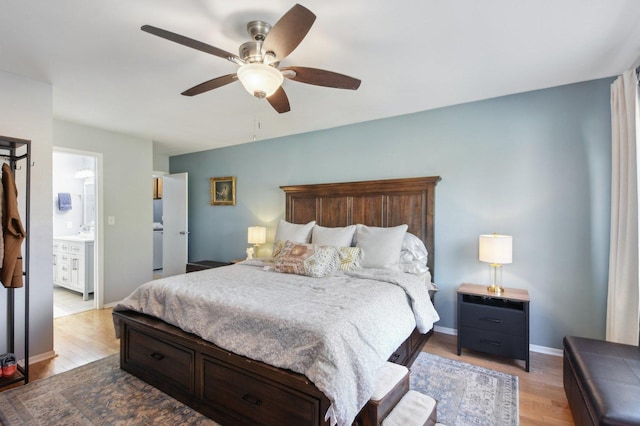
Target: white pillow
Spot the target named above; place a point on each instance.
(338, 237)
(293, 232)
(380, 246)
(413, 257)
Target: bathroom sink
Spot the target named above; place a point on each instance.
(80, 237)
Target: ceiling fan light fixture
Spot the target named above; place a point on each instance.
(260, 80)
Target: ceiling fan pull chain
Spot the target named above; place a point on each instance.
(256, 123)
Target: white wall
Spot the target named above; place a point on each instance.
(26, 113)
(126, 170)
(160, 162)
(64, 166)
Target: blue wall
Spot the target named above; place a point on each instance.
(535, 166)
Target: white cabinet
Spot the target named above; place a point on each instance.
(73, 265)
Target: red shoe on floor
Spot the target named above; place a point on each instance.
(8, 365)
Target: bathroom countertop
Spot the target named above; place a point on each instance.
(78, 238)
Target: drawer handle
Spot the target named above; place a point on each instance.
(252, 400)
(490, 342)
(156, 356)
(494, 320)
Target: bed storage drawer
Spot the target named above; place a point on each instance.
(255, 401)
(401, 354)
(162, 362)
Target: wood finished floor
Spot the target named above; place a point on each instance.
(541, 393)
(89, 336)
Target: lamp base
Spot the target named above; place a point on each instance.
(495, 289)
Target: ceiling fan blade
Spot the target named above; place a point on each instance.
(210, 85)
(320, 77)
(279, 101)
(288, 32)
(194, 44)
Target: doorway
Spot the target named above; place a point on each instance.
(171, 224)
(75, 197)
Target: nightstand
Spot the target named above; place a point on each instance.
(492, 323)
(204, 264)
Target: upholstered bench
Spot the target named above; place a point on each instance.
(393, 404)
(391, 383)
(602, 381)
(414, 409)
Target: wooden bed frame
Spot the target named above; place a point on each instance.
(235, 390)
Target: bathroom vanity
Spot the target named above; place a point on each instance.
(73, 264)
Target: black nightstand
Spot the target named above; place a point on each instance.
(492, 323)
(205, 264)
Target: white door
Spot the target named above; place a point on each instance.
(175, 223)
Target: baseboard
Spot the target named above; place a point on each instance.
(42, 357)
(533, 348)
(445, 330)
(545, 350)
(110, 305)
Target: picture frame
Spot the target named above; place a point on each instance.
(223, 191)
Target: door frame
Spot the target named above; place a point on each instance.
(98, 245)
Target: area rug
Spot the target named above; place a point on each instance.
(466, 394)
(101, 393)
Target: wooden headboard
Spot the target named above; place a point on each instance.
(384, 203)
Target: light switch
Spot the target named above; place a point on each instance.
(111, 220)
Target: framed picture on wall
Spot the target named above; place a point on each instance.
(223, 191)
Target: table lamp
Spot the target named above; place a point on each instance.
(257, 235)
(496, 250)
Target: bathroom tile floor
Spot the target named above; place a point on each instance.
(67, 302)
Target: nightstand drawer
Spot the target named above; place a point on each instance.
(491, 318)
(495, 343)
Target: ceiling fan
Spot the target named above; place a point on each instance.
(259, 59)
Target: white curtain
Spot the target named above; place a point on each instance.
(623, 315)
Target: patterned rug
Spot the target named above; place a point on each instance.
(466, 394)
(94, 394)
(101, 394)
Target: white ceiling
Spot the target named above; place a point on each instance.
(411, 55)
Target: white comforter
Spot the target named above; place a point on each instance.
(337, 331)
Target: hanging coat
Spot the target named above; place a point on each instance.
(13, 232)
(1, 226)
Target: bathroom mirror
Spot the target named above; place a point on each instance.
(89, 203)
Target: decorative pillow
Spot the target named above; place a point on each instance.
(413, 257)
(307, 259)
(380, 246)
(339, 237)
(291, 232)
(350, 258)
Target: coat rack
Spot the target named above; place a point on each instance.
(18, 151)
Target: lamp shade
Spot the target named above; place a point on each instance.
(257, 235)
(495, 249)
(260, 80)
